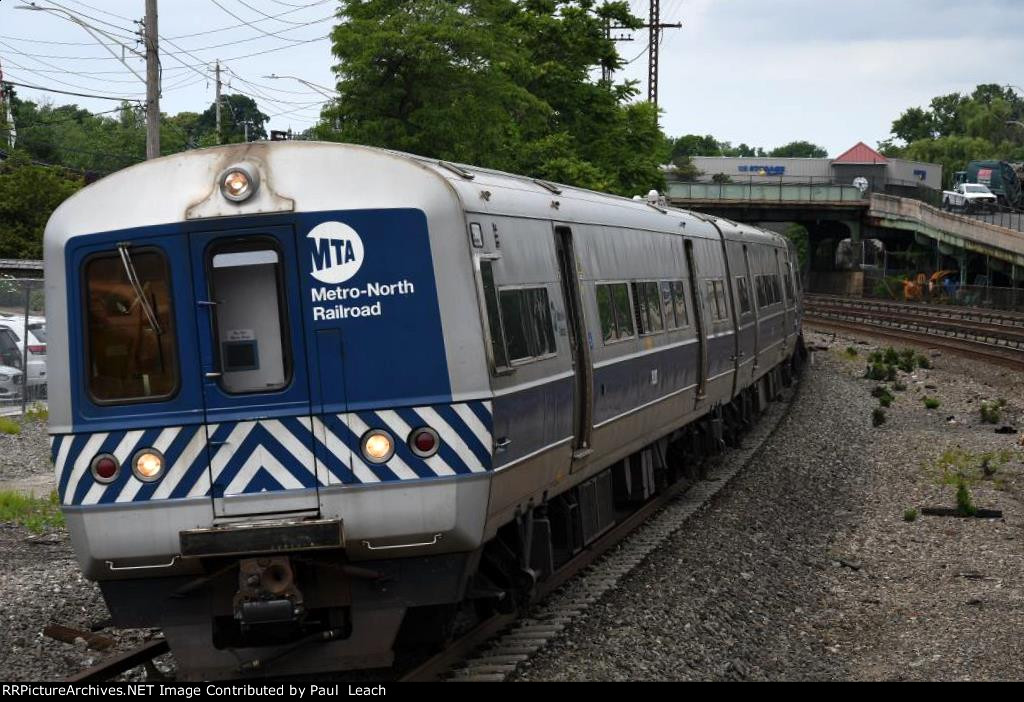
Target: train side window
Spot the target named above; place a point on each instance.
(606, 312)
(668, 310)
(679, 302)
(526, 321)
(656, 321)
(250, 319)
(623, 316)
(744, 294)
(648, 308)
(493, 316)
(716, 299)
(130, 357)
(614, 311)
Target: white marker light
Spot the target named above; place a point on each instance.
(238, 183)
(148, 465)
(377, 446)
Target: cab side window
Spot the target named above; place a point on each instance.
(130, 355)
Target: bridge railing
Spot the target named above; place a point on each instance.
(757, 188)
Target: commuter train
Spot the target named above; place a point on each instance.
(307, 399)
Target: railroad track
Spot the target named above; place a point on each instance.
(495, 647)
(995, 336)
(493, 650)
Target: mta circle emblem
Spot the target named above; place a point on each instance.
(337, 252)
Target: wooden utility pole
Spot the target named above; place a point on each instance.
(152, 82)
(217, 100)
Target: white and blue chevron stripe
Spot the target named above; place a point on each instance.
(274, 454)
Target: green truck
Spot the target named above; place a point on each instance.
(1002, 178)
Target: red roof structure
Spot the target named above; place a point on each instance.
(860, 154)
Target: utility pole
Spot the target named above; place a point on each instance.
(217, 100)
(655, 26)
(8, 134)
(606, 71)
(152, 82)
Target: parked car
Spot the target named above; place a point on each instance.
(10, 351)
(10, 383)
(35, 368)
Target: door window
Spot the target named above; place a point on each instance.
(250, 319)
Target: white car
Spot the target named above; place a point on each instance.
(969, 196)
(35, 368)
(10, 383)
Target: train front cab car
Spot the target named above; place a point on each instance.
(301, 393)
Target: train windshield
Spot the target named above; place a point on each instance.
(130, 358)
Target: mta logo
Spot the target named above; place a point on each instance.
(337, 252)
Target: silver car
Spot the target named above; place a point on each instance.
(11, 380)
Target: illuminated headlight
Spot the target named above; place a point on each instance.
(377, 446)
(239, 183)
(148, 465)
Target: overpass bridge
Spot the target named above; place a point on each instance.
(831, 212)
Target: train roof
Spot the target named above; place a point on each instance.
(139, 196)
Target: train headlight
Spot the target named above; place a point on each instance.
(105, 468)
(377, 446)
(148, 464)
(238, 183)
(424, 442)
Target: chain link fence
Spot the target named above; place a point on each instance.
(944, 290)
(23, 371)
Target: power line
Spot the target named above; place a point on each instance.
(245, 24)
(66, 92)
(64, 82)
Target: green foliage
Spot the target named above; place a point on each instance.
(877, 371)
(9, 426)
(797, 233)
(899, 386)
(851, 351)
(877, 417)
(29, 193)
(910, 514)
(955, 129)
(923, 361)
(36, 514)
(964, 503)
(496, 83)
(37, 412)
(990, 412)
(931, 402)
(799, 149)
(235, 112)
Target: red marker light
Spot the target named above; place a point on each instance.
(105, 468)
(424, 442)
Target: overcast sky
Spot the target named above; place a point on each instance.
(764, 72)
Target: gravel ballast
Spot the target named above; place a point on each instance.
(802, 568)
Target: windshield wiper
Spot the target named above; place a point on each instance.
(140, 294)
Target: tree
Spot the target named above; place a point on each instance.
(799, 149)
(236, 111)
(957, 128)
(496, 83)
(29, 193)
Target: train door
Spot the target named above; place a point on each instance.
(254, 371)
(698, 320)
(755, 311)
(583, 402)
(743, 306)
(786, 314)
